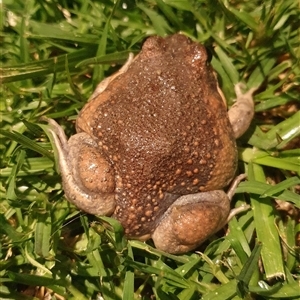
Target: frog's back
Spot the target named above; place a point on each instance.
(165, 129)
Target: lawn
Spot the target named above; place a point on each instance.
(53, 55)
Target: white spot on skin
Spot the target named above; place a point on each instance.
(197, 56)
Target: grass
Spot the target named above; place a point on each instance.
(53, 54)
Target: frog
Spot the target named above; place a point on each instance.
(156, 146)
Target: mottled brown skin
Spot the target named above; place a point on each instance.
(155, 131)
(159, 130)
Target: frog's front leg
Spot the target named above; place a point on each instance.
(88, 179)
(105, 82)
(242, 111)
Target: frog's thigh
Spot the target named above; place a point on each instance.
(88, 178)
(190, 220)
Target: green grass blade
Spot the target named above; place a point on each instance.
(286, 184)
(264, 218)
(43, 234)
(128, 292)
(26, 142)
(159, 23)
(247, 271)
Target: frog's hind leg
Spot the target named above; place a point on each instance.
(88, 179)
(190, 220)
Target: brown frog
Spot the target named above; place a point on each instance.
(155, 146)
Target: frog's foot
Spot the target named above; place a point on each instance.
(88, 179)
(242, 111)
(190, 220)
